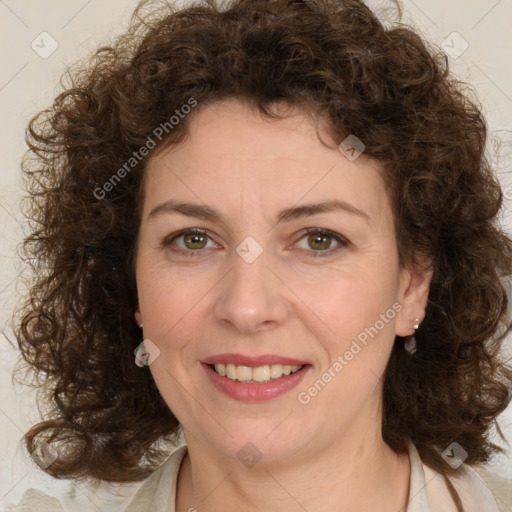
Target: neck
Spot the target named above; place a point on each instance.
(351, 475)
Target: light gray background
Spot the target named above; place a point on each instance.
(28, 83)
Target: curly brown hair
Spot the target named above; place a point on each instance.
(331, 58)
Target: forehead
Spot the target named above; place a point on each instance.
(231, 128)
(234, 156)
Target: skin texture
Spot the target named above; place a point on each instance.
(286, 302)
(87, 157)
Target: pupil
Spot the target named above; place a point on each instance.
(318, 239)
(194, 238)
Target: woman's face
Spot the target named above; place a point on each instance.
(258, 291)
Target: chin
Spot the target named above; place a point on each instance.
(268, 440)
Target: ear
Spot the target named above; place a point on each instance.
(138, 316)
(413, 296)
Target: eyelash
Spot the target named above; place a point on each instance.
(308, 231)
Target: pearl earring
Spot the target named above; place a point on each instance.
(140, 352)
(410, 344)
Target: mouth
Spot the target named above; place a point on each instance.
(254, 375)
(254, 379)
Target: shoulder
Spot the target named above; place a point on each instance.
(500, 487)
(478, 489)
(158, 493)
(35, 501)
(155, 493)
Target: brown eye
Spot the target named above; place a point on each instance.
(196, 240)
(320, 240)
(192, 241)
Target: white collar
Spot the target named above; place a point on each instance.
(427, 488)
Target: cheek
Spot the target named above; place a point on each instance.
(356, 303)
(362, 314)
(171, 302)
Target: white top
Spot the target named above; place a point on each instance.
(427, 491)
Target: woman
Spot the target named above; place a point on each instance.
(270, 228)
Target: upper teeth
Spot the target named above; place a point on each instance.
(256, 374)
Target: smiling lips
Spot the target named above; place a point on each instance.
(254, 378)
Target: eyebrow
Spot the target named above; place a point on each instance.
(211, 214)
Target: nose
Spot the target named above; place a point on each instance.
(252, 297)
